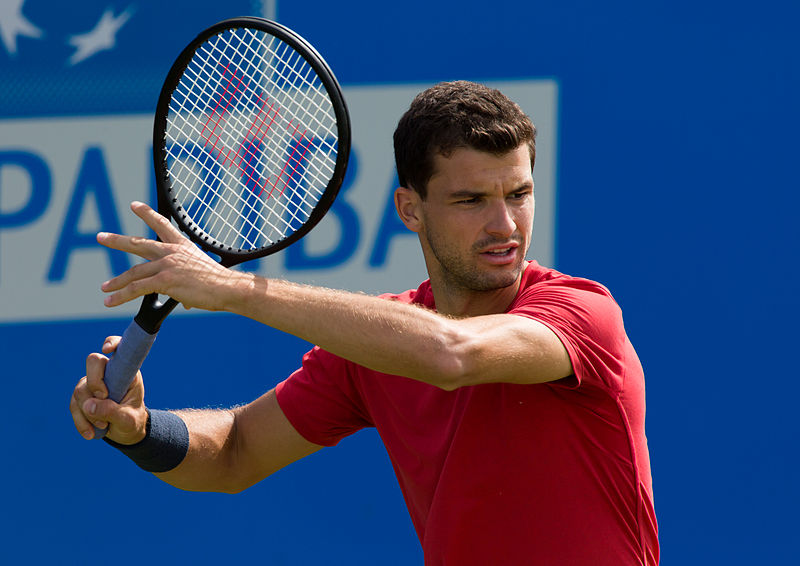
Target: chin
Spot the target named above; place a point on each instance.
(495, 281)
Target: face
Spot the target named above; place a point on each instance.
(475, 223)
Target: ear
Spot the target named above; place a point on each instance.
(407, 202)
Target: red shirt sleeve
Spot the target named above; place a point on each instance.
(320, 399)
(588, 322)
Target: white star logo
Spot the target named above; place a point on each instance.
(101, 38)
(13, 24)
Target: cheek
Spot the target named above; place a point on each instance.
(525, 217)
(447, 232)
(446, 222)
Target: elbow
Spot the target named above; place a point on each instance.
(234, 482)
(235, 470)
(240, 471)
(222, 483)
(454, 362)
(446, 381)
(233, 489)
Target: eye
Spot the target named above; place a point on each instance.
(468, 200)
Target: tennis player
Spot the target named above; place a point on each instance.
(508, 396)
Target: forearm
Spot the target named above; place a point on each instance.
(230, 450)
(401, 339)
(209, 462)
(383, 335)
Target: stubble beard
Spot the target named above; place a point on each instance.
(459, 272)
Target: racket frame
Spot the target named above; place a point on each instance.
(230, 256)
(141, 333)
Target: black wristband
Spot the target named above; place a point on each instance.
(164, 445)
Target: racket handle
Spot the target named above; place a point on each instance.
(122, 367)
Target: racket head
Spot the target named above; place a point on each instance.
(251, 139)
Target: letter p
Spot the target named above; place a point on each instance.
(40, 188)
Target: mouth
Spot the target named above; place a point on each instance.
(501, 254)
(501, 251)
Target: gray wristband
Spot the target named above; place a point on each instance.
(164, 445)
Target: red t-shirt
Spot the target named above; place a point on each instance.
(508, 474)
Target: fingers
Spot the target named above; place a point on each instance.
(101, 412)
(144, 247)
(90, 393)
(175, 267)
(152, 276)
(111, 344)
(90, 406)
(136, 282)
(88, 413)
(79, 399)
(90, 389)
(137, 245)
(158, 223)
(95, 370)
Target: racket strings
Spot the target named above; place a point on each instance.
(270, 126)
(296, 65)
(289, 63)
(294, 166)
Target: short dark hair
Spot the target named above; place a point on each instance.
(453, 115)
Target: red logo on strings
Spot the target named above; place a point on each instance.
(235, 90)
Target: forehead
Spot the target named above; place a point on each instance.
(468, 168)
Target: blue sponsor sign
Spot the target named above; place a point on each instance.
(672, 127)
(96, 57)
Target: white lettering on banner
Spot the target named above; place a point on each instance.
(63, 180)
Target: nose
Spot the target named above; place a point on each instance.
(500, 222)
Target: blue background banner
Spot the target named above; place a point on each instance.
(674, 145)
(96, 57)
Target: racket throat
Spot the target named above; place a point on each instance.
(153, 311)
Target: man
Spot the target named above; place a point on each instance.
(508, 396)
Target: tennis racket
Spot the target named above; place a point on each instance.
(250, 145)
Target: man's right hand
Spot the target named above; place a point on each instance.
(126, 421)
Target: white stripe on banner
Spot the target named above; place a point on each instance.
(62, 180)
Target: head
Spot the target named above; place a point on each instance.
(465, 156)
(454, 115)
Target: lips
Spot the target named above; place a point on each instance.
(501, 254)
(499, 248)
(500, 251)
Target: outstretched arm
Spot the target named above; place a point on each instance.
(401, 339)
(383, 335)
(229, 450)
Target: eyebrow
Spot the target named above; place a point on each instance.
(525, 186)
(467, 193)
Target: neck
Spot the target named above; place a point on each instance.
(460, 302)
